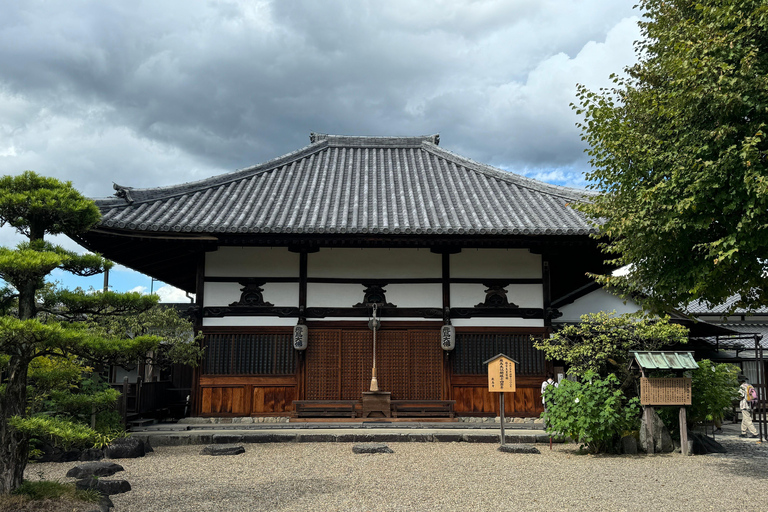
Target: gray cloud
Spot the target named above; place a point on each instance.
(154, 93)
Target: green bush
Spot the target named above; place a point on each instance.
(713, 389)
(594, 412)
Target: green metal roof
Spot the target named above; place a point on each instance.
(657, 360)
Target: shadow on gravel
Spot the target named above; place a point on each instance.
(743, 459)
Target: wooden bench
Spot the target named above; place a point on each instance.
(324, 408)
(422, 408)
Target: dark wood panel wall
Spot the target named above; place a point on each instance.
(411, 364)
(473, 398)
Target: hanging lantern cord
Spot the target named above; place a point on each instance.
(374, 326)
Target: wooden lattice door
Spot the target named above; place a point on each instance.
(338, 363)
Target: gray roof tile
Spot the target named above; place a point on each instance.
(355, 185)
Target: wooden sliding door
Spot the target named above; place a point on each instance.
(409, 363)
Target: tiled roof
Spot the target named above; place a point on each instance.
(355, 185)
(659, 360)
(701, 308)
(749, 328)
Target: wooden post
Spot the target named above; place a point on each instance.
(139, 381)
(124, 402)
(501, 418)
(683, 432)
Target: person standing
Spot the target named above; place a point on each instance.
(747, 428)
(550, 381)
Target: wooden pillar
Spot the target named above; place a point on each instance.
(546, 292)
(302, 284)
(447, 389)
(198, 325)
(124, 402)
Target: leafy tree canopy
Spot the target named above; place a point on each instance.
(37, 205)
(601, 343)
(678, 152)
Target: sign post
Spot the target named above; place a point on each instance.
(501, 379)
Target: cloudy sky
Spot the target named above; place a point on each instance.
(155, 93)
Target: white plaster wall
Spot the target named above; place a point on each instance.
(224, 294)
(495, 264)
(384, 321)
(497, 322)
(598, 300)
(248, 321)
(524, 295)
(252, 262)
(331, 295)
(415, 295)
(374, 263)
(326, 295)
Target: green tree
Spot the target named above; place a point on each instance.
(38, 206)
(713, 388)
(678, 153)
(601, 343)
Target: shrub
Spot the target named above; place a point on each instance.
(58, 432)
(601, 343)
(594, 412)
(713, 388)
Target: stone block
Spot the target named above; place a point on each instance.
(222, 449)
(481, 438)
(371, 448)
(227, 438)
(518, 448)
(447, 438)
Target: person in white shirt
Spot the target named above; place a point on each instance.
(550, 381)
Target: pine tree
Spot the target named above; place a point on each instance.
(39, 206)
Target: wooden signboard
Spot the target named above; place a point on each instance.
(501, 379)
(501, 375)
(665, 391)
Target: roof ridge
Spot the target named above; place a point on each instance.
(128, 195)
(374, 140)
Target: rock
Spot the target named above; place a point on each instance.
(371, 448)
(222, 449)
(125, 448)
(94, 469)
(629, 445)
(662, 440)
(104, 486)
(518, 448)
(55, 454)
(91, 454)
(702, 445)
(105, 504)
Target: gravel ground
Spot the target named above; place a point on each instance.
(434, 476)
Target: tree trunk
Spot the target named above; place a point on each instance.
(14, 447)
(27, 305)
